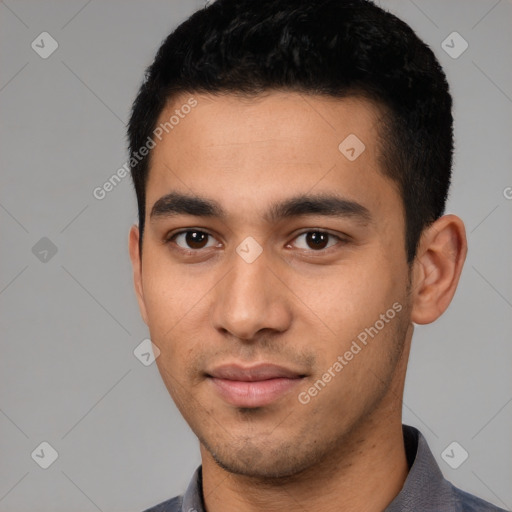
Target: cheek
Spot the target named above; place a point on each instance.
(360, 310)
(177, 302)
(169, 301)
(348, 297)
(365, 313)
(170, 291)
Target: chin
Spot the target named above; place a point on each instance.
(266, 462)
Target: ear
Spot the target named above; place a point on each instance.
(437, 268)
(137, 270)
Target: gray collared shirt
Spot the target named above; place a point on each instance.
(425, 489)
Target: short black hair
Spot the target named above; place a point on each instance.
(338, 48)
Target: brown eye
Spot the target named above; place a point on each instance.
(316, 240)
(192, 239)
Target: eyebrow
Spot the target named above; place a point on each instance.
(176, 203)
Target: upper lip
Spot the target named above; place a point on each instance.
(258, 372)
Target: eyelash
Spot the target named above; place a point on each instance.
(170, 239)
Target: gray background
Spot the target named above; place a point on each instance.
(70, 324)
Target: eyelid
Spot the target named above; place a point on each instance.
(169, 238)
(340, 238)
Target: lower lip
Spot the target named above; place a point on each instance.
(255, 393)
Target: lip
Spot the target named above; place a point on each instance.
(254, 386)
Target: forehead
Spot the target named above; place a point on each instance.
(284, 123)
(255, 149)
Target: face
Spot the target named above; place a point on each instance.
(274, 278)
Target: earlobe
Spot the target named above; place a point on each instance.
(437, 268)
(133, 245)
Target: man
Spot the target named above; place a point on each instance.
(291, 160)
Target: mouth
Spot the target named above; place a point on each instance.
(254, 386)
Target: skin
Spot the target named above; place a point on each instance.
(295, 305)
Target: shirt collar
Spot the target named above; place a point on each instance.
(425, 487)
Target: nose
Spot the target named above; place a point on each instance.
(249, 299)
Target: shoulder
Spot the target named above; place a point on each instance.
(172, 505)
(469, 503)
(426, 488)
(190, 501)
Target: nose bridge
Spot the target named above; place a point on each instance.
(250, 297)
(245, 280)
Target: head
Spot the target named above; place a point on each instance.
(291, 199)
